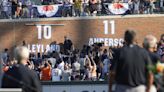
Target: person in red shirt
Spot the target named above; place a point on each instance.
(46, 72)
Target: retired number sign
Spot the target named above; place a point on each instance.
(44, 31)
(106, 24)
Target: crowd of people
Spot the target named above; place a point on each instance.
(128, 65)
(25, 8)
(90, 63)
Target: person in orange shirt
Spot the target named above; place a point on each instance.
(46, 72)
(8, 65)
(5, 68)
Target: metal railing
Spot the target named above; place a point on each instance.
(31, 11)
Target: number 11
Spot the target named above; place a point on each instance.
(112, 23)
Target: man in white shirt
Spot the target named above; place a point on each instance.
(52, 59)
(61, 65)
(76, 66)
(56, 73)
(75, 69)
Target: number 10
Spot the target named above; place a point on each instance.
(46, 32)
(112, 23)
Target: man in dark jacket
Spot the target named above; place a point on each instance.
(131, 67)
(20, 76)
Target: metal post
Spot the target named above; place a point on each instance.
(161, 3)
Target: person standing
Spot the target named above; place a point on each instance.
(14, 8)
(56, 73)
(130, 70)
(106, 65)
(93, 7)
(66, 73)
(5, 56)
(46, 72)
(20, 76)
(161, 48)
(1, 71)
(61, 64)
(90, 70)
(5, 9)
(67, 8)
(67, 45)
(85, 7)
(150, 44)
(77, 7)
(75, 68)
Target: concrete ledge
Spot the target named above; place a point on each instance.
(73, 82)
(82, 18)
(10, 90)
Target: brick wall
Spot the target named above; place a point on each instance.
(78, 30)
